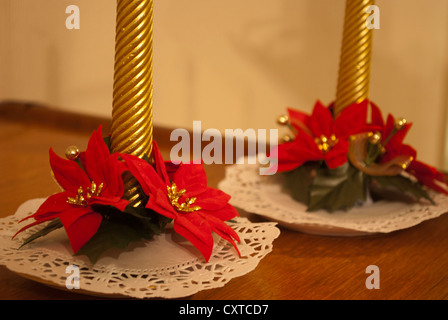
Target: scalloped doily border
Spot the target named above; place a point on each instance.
(176, 280)
(265, 196)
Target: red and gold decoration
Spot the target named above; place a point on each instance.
(120, 190)
(338, 157)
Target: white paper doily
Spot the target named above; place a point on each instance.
(166, 267)
(265, 196)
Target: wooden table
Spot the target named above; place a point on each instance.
(413, 263)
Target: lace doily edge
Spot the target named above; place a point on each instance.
(249, 265)
(310, 224)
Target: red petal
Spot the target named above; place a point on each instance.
(351, 120)
(191, 177)
(160, 164)
(377, 117)
(299, 120)
(80, 226)
(171, 169)
(112, 177)
(224, 214)
(144, 173)
(49, 210)
(54, 204)
(408, 150)
(73, 213)
(227, 237)
(34, 223)
(96, 155)
(196, 230)
(116, 202)
(389, 127)
(397, 140)
(299, 116)
(337, 156)
(429, 176)
(400, 150)
(212, 199)
(321, 120)
(68, 173)
(293, 154)
(224, 231)
(159, 203)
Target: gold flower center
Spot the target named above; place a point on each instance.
(174, 195)
(324, 143)
(82, 198)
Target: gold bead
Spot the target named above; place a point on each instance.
(287, 138)
(400, 123)
(72, 153)
(333, 138)
(283, 120)
(375, 138)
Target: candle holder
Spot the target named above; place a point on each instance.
(125, 212)
(337, 161)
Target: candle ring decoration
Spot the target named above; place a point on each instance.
(337, 158)
(120, 189)
(343, 169)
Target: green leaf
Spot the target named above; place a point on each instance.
(111, 234)
(119, 229)
(403, 185)
(150, 220)
(146, 158)
(337, 189)
(51, 226)
(298, 182)
(106, 140)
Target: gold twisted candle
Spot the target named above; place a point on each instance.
(354, 67)
(132, 129)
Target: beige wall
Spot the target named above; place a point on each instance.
(232, 64)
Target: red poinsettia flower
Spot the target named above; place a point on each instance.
(321, 137)
(197, 210)
(393, 134)
(100, 183)
(429, 176)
